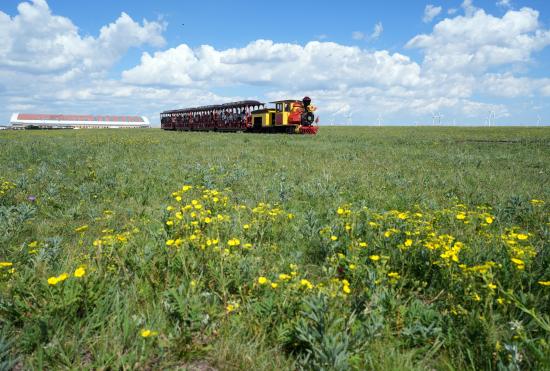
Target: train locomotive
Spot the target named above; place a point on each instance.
(287, 116)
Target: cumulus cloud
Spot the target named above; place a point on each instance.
(37, 41)
(430, 12)
(480, 41)
(469, 8)
(263, 62)
(509, 86)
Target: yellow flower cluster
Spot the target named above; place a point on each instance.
(5, 187)
(78, 273)
(109, 238)
(7, 272)
(201, 215)
(400, 241)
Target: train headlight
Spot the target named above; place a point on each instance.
(308, 118)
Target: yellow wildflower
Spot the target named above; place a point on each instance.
(461, 216)
(518, 261)
(489, 220)
(5, 264)
(81, 229)
(333, 238)
(234, 242)
(346, 289)
(374, 258)
(79, 272)
(170, 242)
(522, 236)
(408, 242)
(33, 244)
(544, 283)
(394, 275)
(262, 280)
(145, 333)
(53, 281)
(284, 277)
(231, 307)
(306, 283)
(274, 285)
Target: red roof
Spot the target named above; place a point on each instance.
(48, 117)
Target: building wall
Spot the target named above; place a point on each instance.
(82, 122)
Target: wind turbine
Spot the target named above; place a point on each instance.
(379, 120)
(492, 118)
(349, 121)
(538, 120)
(436, 117)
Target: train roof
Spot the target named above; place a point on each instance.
(240, 104)
(286, 101)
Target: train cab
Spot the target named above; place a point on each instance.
(289, 116)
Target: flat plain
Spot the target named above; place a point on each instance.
(359, 248)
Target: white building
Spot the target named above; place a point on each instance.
(48, 121)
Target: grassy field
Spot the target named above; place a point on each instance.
(360, 248)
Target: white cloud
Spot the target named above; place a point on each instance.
(37, 41)
(377, 32)
(469, 8)
(480, 41)
(430, 12)
(263, 62)
(504, 3)
(508, 86)
(357, 35)
(375, 35)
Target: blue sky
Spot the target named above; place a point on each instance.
(361, 61)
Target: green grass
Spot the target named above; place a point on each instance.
(205, 305)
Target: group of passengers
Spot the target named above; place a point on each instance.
(224, 118)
